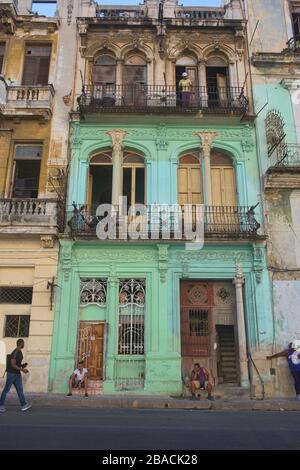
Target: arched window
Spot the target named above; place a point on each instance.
(100, 179)
(134, 80)
(104, 70)
(189, 179)
(133, 178)
(217, 79)
(222, 180)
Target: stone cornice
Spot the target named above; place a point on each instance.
(262, 59)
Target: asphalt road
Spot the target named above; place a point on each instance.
(51, 428)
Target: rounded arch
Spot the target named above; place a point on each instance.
(221, 158)
(228, 150)
(189, 158)
(102, 158)
(141, 48)
(96, 49)
(221, 50)
(190, 50)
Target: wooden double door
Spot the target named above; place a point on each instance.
(91, 348)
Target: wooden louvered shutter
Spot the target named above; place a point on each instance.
(43, 71)
(30, 71)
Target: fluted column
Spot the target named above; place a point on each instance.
(241, 326)
(117, 137)
(207, 138)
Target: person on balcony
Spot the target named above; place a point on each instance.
(200, 381)
(79, 379)
(185, 87)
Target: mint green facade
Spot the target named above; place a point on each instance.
(162, 265)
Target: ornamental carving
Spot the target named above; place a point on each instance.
(198, 294)
(93, 291)
(224, 294)
(132, 292)
(232, 256)
(116, 255)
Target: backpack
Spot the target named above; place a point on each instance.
(8, 363)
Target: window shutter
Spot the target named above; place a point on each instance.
(30, 71)
(43, 71)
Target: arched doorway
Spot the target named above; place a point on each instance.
(187, 64)
(217, 80)
(135, 81)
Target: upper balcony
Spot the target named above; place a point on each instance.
(293, 44)
(283, 167)
(161, 99)
(168, 222)
(30, 216)
(26, 101)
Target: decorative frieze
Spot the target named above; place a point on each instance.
(195, 256)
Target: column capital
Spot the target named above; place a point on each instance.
(206, 138)
(239, 279)
(117, 137)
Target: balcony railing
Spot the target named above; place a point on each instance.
(171, 222)
(285, 156)
(120, 14)
(162, 99)
(199, 14)
(294, 44)
(34, 216)
(29, 99)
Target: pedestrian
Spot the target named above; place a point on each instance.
(292, 354)
(14, 368)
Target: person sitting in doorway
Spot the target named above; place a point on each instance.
(200, 381)
(79, 379)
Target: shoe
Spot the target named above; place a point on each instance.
(211, 398)
(86, 395)
(69, 395)
(2, 409)
(298, 397)
(26, 407)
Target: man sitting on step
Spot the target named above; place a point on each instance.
(200, 381)
(79, 379)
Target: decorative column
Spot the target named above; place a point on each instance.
(241, 327)
(207, 138)
(117, 137)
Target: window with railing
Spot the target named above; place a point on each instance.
(26, 170)
(16, 326)
(132, 296)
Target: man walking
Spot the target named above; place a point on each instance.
(14, 369)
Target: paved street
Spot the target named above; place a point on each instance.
(48, 428)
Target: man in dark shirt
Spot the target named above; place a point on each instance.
(14, 369)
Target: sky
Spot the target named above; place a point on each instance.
(48, 10)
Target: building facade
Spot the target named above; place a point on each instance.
(275, 74)
(32, 183)
(140, 311)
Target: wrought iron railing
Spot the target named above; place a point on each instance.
(294, 44)
(129, 373)
(161, 98)
(171, 222)
(284, 155)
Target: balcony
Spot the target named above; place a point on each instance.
(161, 99)
(27, 101)
(30, 216)
(293, 44)
(169, 222)
(123, 15)
(193, 14)
(284, 156)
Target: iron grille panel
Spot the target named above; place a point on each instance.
(17, 326)
(16, 295)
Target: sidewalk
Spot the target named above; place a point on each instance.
(149, 402)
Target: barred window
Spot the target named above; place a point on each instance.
(132, 295)
(17, 326)
(16, 295)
